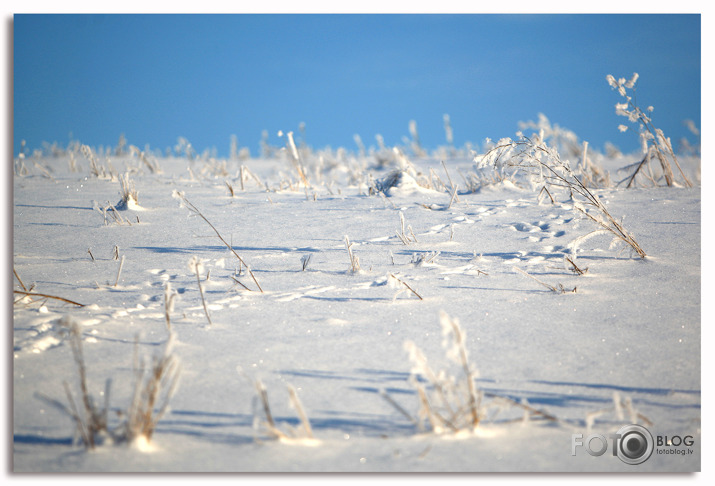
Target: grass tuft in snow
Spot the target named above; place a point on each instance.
(301, 435)
(449, 402)
(402, 235)
(622, 409)
(129, 194)
(153, 387)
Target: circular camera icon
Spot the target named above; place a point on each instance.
(635, 444)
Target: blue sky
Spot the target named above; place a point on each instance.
(155, 78)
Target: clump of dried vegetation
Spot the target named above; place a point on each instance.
(265, 421)
(654, 143)
(449, 400)
(153, 387)
(542, 163)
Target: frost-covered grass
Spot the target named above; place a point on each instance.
(357, 254)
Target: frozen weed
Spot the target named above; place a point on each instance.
(29, 297)
(20, 167)
(95, 168)
(570, 264)
(568, 145)
(150, 163)
(263, 417)
(354, 260)
(654, 143)
(449, 401)
(560, 289)
(230, 188)
(452, 402)
(194, 210)
(196, 267)
(305, 260)
(424, 258)
(622, 410)
(402, 286)
(544, 165)
(404, 237)
(296, 158)
(152, 388)
(415, 144)
(119, 271)
(169, 298)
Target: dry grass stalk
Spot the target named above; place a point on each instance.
(403, 283)
(245, 172)
(620, 408)
(19, 279)
(47, 296)
(546, 190)
(239, 283)
(169, 297)
(152, 166)
(575, 268)
(524, 405)
(20, 167)
(195, 266)
(269, 423)
(110, 209)
(195, 210)
(434, 179)
(45, 171)
(405, 238)
(297, 160)
(305, 260)
(354, 260)
(119, 271)
(453, 328)
(230, 188)
(298, 406)
(454, 188)
(559, 290)
(95, 169)
(91, 421)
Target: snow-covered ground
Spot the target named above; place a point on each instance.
(629, 334)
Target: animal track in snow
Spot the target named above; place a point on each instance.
(542, 230)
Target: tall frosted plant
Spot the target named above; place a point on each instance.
(654, 143)
(543, 164)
